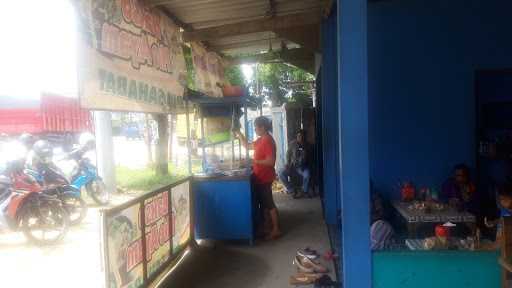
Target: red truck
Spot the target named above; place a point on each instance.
(51, 115)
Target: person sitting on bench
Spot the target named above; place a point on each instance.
(297, 163)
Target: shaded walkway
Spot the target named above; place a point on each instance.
(266, 264)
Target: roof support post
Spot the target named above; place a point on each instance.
(354, 160)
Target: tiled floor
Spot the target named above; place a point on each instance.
(264, 265)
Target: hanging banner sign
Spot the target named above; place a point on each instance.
(209, 69)
(130, 57)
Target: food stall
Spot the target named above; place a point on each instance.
(224, 202)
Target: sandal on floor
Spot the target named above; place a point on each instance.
(307, 252)
(302, 268)
(307, 265)
(304, 279)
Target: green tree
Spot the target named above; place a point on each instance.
(234, 75)
(191, 75)
(280, 83)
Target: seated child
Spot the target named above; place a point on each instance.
(504, 200)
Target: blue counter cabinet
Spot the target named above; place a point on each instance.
(224, 208)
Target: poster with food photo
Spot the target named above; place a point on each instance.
(124, 249)
(181, 209)
(157, 228)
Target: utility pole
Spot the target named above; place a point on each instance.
(161, 156)
(105, 149)
(148, 139)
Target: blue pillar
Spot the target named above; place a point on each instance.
(354, 160)
(330, 121)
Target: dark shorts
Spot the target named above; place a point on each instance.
(264, 195)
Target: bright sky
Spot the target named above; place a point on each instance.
(248, 71)
(38, 51)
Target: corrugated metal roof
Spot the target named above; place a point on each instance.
(199, 14)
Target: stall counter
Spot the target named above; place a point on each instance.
(224, 207)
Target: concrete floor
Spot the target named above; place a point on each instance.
(267, 264)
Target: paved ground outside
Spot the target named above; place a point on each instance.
(75, 262)
(264, 265)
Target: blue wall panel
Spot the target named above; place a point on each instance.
(330, 121)
(422, 57)
(354, 167)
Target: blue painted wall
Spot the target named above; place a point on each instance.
(353, 146)
(422, 56)
(330, 121)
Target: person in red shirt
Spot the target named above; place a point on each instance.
(263, 163)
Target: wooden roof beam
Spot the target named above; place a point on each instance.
(253, 26)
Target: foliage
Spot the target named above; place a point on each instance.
(146, 179)
(218, 137)
(191, 75)
(272, 81)
(234, 75)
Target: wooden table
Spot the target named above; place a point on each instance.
(415, 218)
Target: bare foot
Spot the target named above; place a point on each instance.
(273, 235)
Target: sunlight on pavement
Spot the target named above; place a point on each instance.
(74, 262)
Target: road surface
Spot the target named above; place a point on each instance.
(75, 262)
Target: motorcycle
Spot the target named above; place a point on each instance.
(56, 184)
(40, 217)
(86, 175)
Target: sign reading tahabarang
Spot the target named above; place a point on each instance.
(130, 57)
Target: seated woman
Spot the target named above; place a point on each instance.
(460, 191)
(382, 234)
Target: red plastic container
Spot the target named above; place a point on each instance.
(232, 91)
(442, 231)
(407, 192)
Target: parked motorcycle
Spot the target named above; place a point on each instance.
(86, 175)
(40, 217)
(55, 182)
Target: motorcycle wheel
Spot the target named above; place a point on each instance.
(97, 191)
(76, 208)
(45, 224)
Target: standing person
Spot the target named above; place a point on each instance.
(263, 170)
(297, 162)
